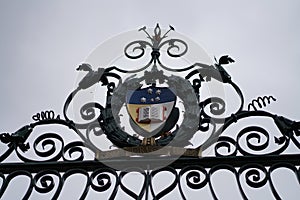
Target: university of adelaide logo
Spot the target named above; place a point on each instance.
(150, 108)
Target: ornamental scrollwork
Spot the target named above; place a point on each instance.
(149, 115)
(198, 114)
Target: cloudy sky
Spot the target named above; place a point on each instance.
(42, 43)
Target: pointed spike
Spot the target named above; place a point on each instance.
(216, 59)
(172, 28)
(143, 28)
(157, 30)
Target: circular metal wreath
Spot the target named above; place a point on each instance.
(110, 120)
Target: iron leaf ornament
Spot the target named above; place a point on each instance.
(18, 138)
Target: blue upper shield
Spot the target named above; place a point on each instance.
(150, 95)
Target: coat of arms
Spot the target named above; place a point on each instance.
(150, 108)
(154, 105)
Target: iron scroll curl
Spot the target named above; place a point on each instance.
(252, 155)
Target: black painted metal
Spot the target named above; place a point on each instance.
(179, 163)
(253, 154)
(190, 168)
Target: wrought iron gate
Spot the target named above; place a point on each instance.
(155, 144)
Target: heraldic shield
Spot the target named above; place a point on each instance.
(149, 108)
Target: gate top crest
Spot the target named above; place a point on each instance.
(151, 115)
(155, 120)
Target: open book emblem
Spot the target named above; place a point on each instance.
(149, 108)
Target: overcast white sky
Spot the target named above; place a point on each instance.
(42, 42)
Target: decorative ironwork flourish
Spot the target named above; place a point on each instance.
(100, 180)
(251, 155)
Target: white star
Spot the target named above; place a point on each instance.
(143, 99)
(158, 92)
(157, 99)
(150, 91)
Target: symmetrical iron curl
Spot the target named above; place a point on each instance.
(251, 155)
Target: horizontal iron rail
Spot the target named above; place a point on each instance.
(206, 162)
